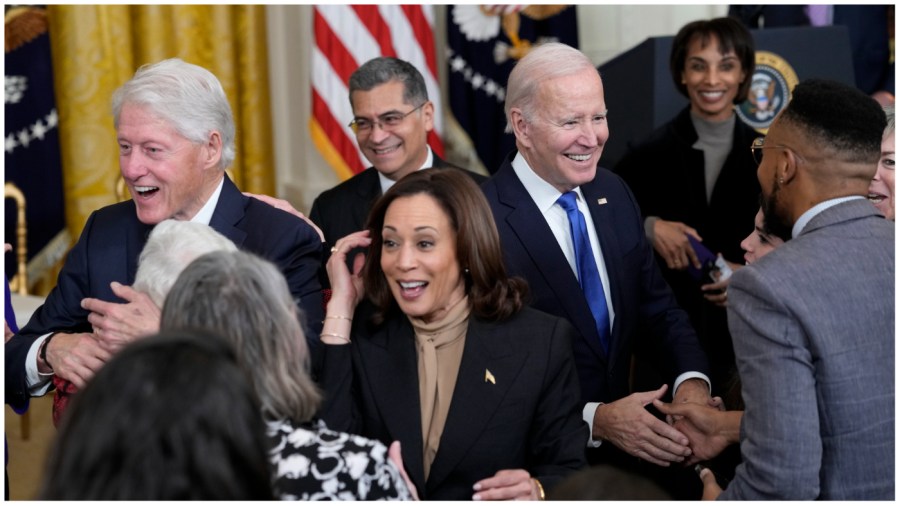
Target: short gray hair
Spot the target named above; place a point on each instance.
(171, 246)
(188, 97)
(546, 61)
(385, 69)
(246, 300)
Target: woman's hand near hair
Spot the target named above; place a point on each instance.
(506, 485)
(347, 288)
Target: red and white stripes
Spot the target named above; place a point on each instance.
(346, 36)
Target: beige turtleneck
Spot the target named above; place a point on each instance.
(439, 346)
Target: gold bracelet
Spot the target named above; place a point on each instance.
(339, 318)
(323, 334)
(540, 488)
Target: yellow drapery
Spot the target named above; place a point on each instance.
(96, 48)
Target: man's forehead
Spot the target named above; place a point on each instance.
(380, 99)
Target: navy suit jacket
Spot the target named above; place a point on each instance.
(646, 314)
(529, 417)
(111, 243)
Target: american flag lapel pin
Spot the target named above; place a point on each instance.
(601, 201)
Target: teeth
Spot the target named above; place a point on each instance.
(385, 150)
(875, 197)
(580, 158)
(142, 189)
(411, 285)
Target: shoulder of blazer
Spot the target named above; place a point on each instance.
(364, 184)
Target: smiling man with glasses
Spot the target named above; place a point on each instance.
(391, 120)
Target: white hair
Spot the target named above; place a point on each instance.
(546, 61)
(171, 246)
(187, 96)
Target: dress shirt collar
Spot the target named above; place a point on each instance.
(816, 209)
(543, 193)
(205, 214)
(387, 183)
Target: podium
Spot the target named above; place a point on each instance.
(641, 96)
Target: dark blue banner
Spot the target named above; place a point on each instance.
(484, 43)
(32, 143)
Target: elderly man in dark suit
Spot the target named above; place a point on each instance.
(813, 321)
(587, 259)
(176, 138)
(391, 119)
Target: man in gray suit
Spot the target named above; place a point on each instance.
(813, 321)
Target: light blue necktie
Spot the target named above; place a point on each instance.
(588, 274)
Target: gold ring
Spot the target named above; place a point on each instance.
(334, 249)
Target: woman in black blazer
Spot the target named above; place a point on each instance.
(443, 355)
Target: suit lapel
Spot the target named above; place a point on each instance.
(532, 231)
(134, 244)
(229, 211)
(392, 368)
(475, 399)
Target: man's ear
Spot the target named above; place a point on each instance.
(428, 115)
(786, 170)
(213, 149)
(520, 126)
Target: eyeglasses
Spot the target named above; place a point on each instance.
(386, 121)
(757, 146)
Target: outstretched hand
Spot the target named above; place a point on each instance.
(628, 425)
(709, 429)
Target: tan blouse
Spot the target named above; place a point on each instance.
(439, 346)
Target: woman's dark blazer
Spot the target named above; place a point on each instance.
(516, 403)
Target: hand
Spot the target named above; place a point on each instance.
(632, 428)
(670, 241)
(396, 457)
(346, 288)
(8, 333)
(709, 429)
(75, 357)
(507, 484)
(711, 489)
(115, 324)
(716, 293)
(693, 390)
(284, 205)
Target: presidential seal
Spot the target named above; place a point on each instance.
(770, 91)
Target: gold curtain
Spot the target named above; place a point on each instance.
(96, 48)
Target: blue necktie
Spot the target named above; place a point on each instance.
(588, 275)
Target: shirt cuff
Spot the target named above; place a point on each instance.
(587, 414)
(690, 375)
(648, 227)
(37, 383)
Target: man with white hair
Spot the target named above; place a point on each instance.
(575, 233)
(176, 137)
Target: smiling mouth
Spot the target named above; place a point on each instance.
(876, 198)
(146, 191)
(385, 151)
(579, 158)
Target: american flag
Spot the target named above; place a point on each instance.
(346, 36)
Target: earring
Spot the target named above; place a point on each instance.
(466, 270)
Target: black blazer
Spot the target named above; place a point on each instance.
(344, 209)
(529, 418)
(646, 315)
(111, 243)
